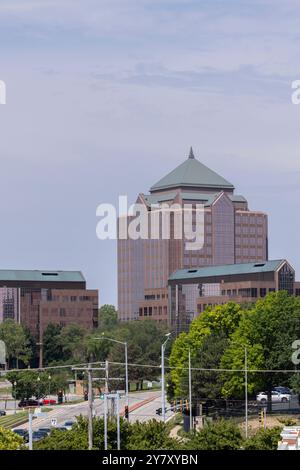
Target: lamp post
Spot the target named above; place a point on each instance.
(49, 378)
(15, 394)
(126, 362)
(38, 390)
(163, 398)
(190, 391)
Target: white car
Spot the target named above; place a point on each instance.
(277, 397)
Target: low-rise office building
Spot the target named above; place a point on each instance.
(192, 290)
(37, 298)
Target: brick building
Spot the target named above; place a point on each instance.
(232, 234)
(192, 290)
(37, 298)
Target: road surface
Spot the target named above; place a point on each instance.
(144, 406)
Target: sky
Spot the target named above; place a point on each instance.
(104, 97)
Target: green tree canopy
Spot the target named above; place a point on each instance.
(10, 440)
(220, 435)
(108, 317)
(17, 342)
(264, 439)
(221, 320)
(268, 331)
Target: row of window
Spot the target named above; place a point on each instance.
(148, 311)
(157, 296)
(248, 292)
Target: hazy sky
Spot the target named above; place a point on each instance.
(104, 97)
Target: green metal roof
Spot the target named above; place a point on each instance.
(192, 173)
(227, 270)
(207, 198)
(40, 276)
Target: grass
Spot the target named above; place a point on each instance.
(14, 420)
(5, 391)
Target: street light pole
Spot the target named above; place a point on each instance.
(126, 363)
(90, 412)
(126, 375)
(15, 394)
(49, 378)
(163, 398)
(190, 391)
(246, 393)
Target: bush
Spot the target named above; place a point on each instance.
(10, 440)
(264, 439)
(221, 435)
(152, 435)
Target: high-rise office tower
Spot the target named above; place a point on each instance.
(231, 234)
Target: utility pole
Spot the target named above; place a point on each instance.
(190, 391)
(112, 397)
(125, 344)
(30, 429)
(90, 402)
(246, 393)
(89, 371)
(105, 421)
(163, 398)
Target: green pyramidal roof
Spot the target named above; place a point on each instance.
(192, 173)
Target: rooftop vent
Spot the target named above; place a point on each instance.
(259, 265)
(49, 274)
(192, 270)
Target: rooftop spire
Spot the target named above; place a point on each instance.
(191, 155)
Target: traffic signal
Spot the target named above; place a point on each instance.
(180, 405)
(260, 416)
(126, 414)
(186, 404)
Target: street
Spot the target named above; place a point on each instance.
(65, 412)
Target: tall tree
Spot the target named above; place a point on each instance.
(16, 341)
(108, 317)
(268, 331)
(52, 347)
(221, 320)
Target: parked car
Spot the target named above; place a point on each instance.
(38, 435)
(281, 389)
(48, 401)
(47, 430)
(61, 428)
(277, 397)
(22, 432)
(29, 402)
(69, 424)
(2, 413)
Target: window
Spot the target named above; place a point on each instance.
(62, 312)
(263, 292)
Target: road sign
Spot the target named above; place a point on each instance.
(37, 412)
(53, 421)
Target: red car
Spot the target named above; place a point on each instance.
(48, 401)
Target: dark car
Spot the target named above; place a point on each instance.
(38, 435)
(22, 433)
(46, 430)
(29, 402)
(61, 428)
(2, 413)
